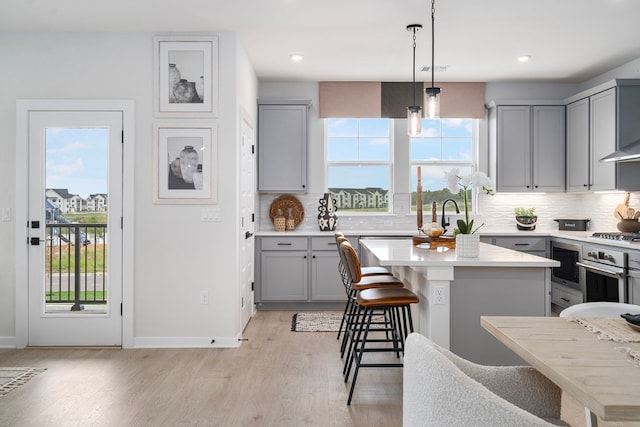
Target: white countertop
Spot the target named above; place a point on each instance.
(581, 236)
(390, 252)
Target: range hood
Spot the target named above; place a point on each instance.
(630, 152)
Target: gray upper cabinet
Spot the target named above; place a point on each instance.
(578, 145)
(591, 136)
(600, 121)
(528, 145)
(282, 146)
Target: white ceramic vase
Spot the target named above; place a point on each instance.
(468, 245)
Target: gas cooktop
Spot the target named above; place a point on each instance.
(620, 236)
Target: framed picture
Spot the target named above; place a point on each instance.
(185, 163)
(186, 76)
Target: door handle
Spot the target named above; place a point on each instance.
(35, 241)
(248, 234)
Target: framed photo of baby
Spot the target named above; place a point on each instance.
(186, 76)
(185, 163)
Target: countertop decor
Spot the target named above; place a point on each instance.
(455, 182)
(284, 203)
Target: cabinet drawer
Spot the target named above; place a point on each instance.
(524, 244)
(283, 243)
(323, 243)
(564, 296)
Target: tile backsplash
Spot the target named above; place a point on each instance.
(497, 211)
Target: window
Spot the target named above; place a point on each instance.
(358, 153)
(443, 144)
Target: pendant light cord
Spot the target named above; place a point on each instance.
(433, 44)
(414, 66)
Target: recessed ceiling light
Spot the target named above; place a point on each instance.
(524, 58)
(296, 57)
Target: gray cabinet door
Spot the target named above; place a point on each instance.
(283, 276)
(549, 148)
(282, 148)
(530, 148)
(603, 139)
(578, 145)
(513, 148)
(326, 284)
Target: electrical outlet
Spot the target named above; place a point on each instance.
(439, 297)
(388, 223)
(204, 297)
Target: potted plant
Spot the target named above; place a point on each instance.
(467, 242)
(526, 219)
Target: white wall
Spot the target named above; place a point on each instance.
(176, 254)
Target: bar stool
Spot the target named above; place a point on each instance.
(394, 301)
(365, 272)
(354, 282)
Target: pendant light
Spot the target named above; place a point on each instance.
(414, 112)
(432, 94)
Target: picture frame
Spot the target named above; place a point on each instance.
(185, 76)
(185, 163)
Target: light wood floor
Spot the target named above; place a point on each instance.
(276, 378)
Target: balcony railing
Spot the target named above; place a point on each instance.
(76, 264)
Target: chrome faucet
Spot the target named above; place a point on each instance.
(443, 222)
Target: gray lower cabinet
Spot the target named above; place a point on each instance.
(564, 296)
(283, 269)
(531, 245)
(296, 272)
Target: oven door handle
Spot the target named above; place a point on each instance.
(600, 270)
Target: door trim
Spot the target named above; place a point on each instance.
(23, 108)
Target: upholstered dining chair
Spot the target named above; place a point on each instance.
(443, 389)
(600, 309)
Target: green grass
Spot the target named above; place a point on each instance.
(70, 295)
(90, 259)
(87, 217)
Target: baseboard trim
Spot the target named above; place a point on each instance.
(8, 342)
(185, 342)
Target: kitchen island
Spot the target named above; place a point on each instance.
(454, 292)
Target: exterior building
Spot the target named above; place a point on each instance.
(361, 198)
(66, 202)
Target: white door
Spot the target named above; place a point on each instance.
(75, 233)
(247, 221)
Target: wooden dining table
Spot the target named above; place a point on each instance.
(600, 374)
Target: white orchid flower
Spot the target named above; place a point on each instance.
(452, 180)
(455, 182)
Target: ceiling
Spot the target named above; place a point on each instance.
(569, 40)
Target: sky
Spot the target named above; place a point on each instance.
(368, 140)
(76, 159)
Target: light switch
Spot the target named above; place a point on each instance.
(210, 214)
(215, 214)
(6, 214)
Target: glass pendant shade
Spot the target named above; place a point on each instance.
(414, 120)
(432, 103)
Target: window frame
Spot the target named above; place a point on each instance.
(356, 163)
(448, 165)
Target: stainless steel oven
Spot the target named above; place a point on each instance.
(605, 274)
